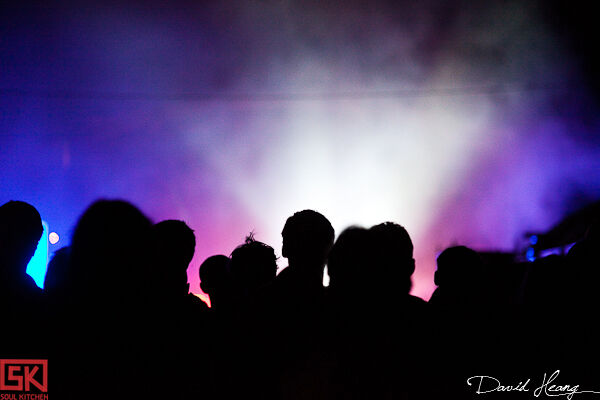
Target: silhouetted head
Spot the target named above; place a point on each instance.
(111, 250)
(348, 262)
(462, 280)
(20, 231)
(215, 279)
(458, 268)
(175, 246)
(253, 264)
(393, 255)
(307, 239)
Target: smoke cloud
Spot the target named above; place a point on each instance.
(465, 123)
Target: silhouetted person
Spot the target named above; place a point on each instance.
(110, 249)
(349, 265)
(459, 277)
(20, 299)
(275, 327)
(219, 346)
(245, 288)
(472, 327)
(393, 256)
(299, 298)
(176, 312)
(347, 334)
(20, 231)
(379, 323)
(299, 292)
(253, 266)
(175, 246)
(110, 319)
(307, 239)
(215, 281)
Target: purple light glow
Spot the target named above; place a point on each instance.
(467, 126)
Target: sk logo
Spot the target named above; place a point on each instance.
(24, 375)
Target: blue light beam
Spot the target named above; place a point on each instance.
(39, 262)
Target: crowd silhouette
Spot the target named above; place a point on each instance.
(116, 319)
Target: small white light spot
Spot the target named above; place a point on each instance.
(53, 237)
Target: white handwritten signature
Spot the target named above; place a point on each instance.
(487, 384)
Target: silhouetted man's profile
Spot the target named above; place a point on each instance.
(20, 298)
(307, 239)
(175, 246)
(20, 231)
(299, 299)
(178, 313)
